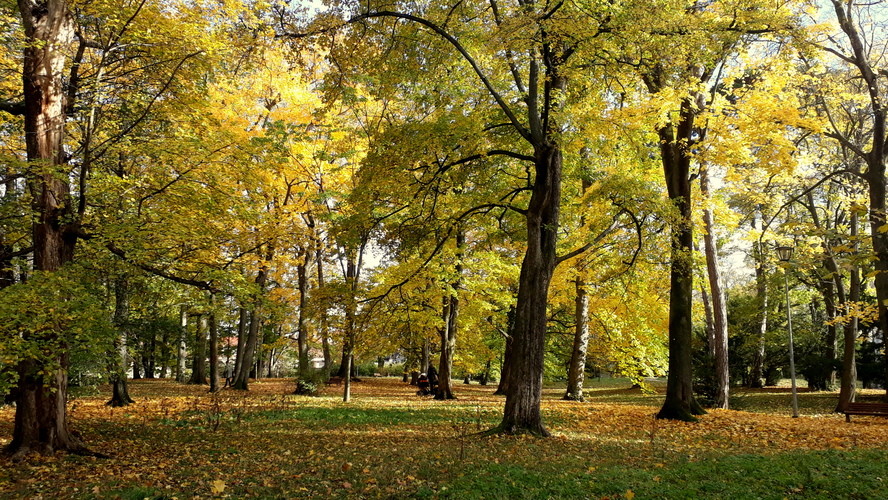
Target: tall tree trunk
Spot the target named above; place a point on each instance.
(674, 139)
(426, 354)
(302, 341)
(710, 320)
(352, 271)
(874, 159)
(577, 372)
(199, 361)
(119, 390)
(719, 308)
(522, 410)
(577, 368)
(180, 351)
(214, 347)
(757, 375)
(829, 303)
(322, 319)
(164, 353)
(241, 380)
(451, 324)
(849, 365)
(243, 321)
(41, 419)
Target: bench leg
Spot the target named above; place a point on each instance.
(847, 418)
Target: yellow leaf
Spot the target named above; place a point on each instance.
(218, 487)
(629, 495)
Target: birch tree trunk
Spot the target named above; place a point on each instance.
(180, 351)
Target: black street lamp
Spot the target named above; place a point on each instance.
(784, 253)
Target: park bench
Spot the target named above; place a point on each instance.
(880, 409)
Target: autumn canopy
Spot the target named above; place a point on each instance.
(525, 194)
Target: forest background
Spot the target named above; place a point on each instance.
(546, 190)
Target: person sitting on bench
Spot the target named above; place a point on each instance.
(423, 384)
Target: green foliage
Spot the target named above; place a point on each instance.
(49, 314)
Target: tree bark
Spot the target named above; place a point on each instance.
(241, 379)
(874, 158)
(180, 351)
(199, 361)
(302, 341)
(451, 324)
(522, 409)
(577, 371)
(847, 390)
(214, 347)
(757, 375)
(719, 307)
(41, 420)
(348, 359)
(322, 319)
(674, 141)
(243, 321)
(120, 392)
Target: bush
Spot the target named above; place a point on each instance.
(310, 384)
(817, 370)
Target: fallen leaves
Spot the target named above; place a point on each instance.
(218, 487)
(270, 443)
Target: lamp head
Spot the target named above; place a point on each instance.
(784, 253)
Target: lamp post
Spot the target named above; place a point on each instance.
(784, 254)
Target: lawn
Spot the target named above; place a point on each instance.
(179, 442)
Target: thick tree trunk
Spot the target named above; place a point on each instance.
(680, 403)
(118, 367)
(41, 423)
(241, 379)
(577, 371)
(719, 308)
(302, 341)
(451, 324)
(860, 57)
(849, 366)
(522, 409)
(448, 344)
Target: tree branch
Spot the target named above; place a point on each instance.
(465, 54)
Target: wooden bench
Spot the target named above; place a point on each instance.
(879, 409)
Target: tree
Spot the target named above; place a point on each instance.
(541, 53)
(677, 55)
(864, 53)
(41, 423)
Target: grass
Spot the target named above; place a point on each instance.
(179, 442)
